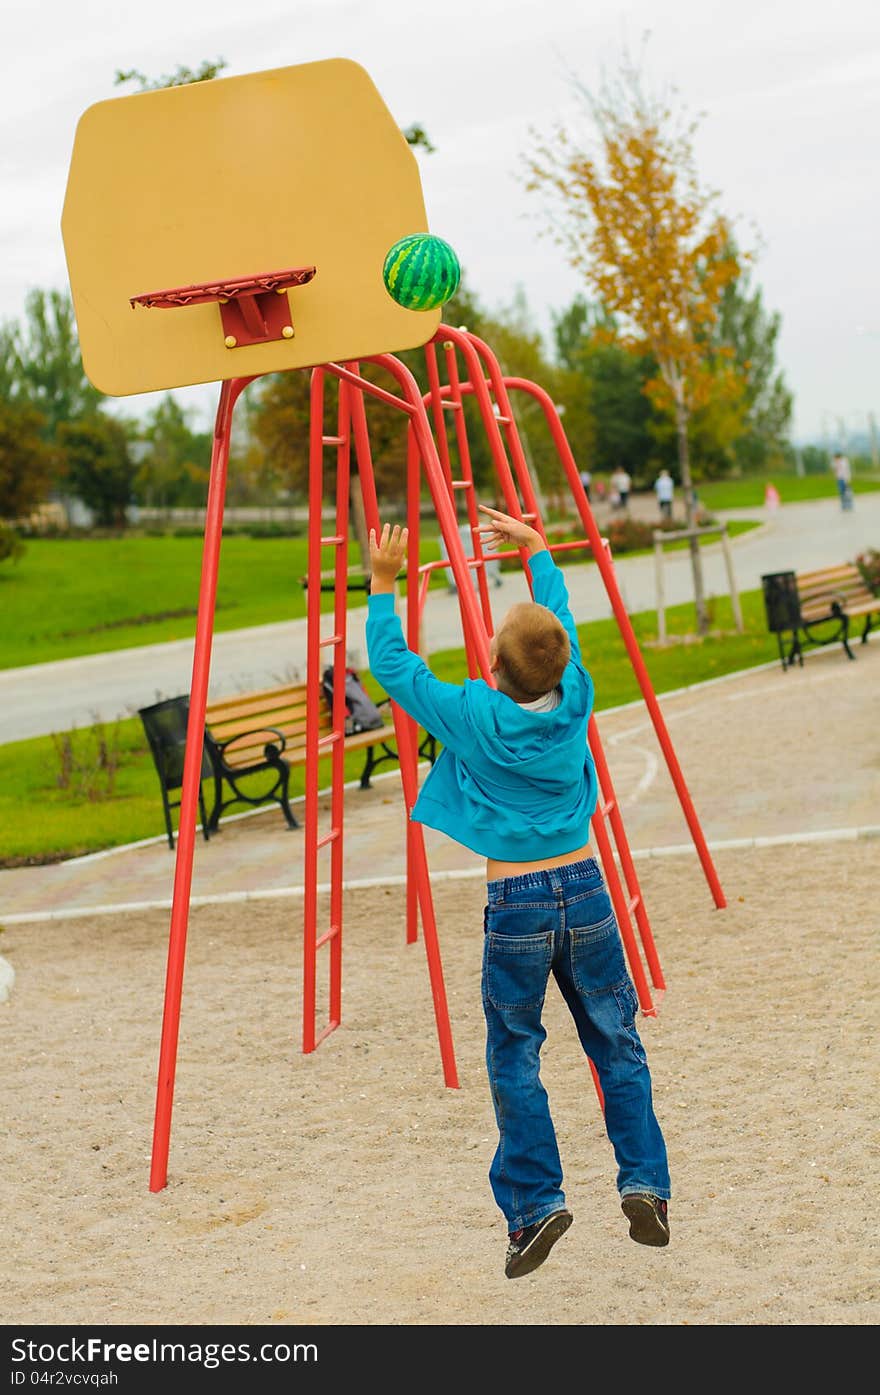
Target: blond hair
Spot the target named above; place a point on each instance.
(533, 650)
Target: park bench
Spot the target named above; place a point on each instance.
(266, 731)
(816, 607)
(256, 733)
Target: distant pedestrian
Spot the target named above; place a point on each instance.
(843, 474)
(586, 481)
(621, 484)
(772, 497)
(664, 488)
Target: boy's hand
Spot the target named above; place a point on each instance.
(387, 556)
(504, 529)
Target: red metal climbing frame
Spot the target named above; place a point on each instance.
(429, 460)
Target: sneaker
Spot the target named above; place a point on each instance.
(530, 1245)
(648, 1217)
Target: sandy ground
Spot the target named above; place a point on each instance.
(349, 1186)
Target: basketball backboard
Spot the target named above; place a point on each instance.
(273, 172)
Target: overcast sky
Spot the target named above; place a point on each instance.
(790, 91)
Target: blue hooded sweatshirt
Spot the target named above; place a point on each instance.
(510, 784)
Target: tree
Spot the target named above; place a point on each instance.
(607, 381)
(99, 466)
(181, 77)
(751, 333)
(42, 364)
(25, 460)
(416, 135)
(513, 337)
(281, 427)
(637, 224)
(176, 462)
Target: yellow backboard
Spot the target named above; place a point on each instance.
(294, 167)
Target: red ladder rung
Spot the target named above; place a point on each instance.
(328, 838)
(607, 807)
(331, 1027)
(334, 440)
(462, 484)
(331, 639)
(335, 541)
(328, 740)
(450, 406)
(328, 935)
(635, 901)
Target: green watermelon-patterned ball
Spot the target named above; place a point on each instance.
(421, 272)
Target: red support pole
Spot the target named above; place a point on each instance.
(636, 901)
(455, 403)
(622, 906)
(404, 727)
(371, 513)
(192, 768)
(340, 623)
(439, 422)
(315, 742)
(443, 505)
(414, 640)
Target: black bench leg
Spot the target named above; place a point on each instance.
(292, 821)
(168, 828)
(844, 639)
(205, 827)
(214, 817)
(367, 771)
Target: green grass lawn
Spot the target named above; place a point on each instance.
(86, 596)
(42, 822)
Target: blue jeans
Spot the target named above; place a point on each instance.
(561, 921)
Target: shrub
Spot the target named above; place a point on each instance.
(88, 761)
(868, 563)
(11, 545)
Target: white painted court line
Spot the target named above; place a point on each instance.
(278, 893)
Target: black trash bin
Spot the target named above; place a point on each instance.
(781, 601)
(782, 607)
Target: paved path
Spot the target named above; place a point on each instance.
(76, 692)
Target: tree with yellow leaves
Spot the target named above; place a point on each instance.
(635, 221)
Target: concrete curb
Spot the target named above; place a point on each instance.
(827, 835)
(7, 979)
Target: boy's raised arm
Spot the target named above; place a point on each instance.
(437, 706)
(548, 583)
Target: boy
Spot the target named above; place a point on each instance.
(515, 782)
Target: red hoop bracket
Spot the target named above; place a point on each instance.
(253, 309)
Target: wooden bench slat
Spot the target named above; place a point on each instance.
(251, 715)
(839, 569)
(260, 694)
(256, 703)
(295, 754)
(283, 721)
(864, 607)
